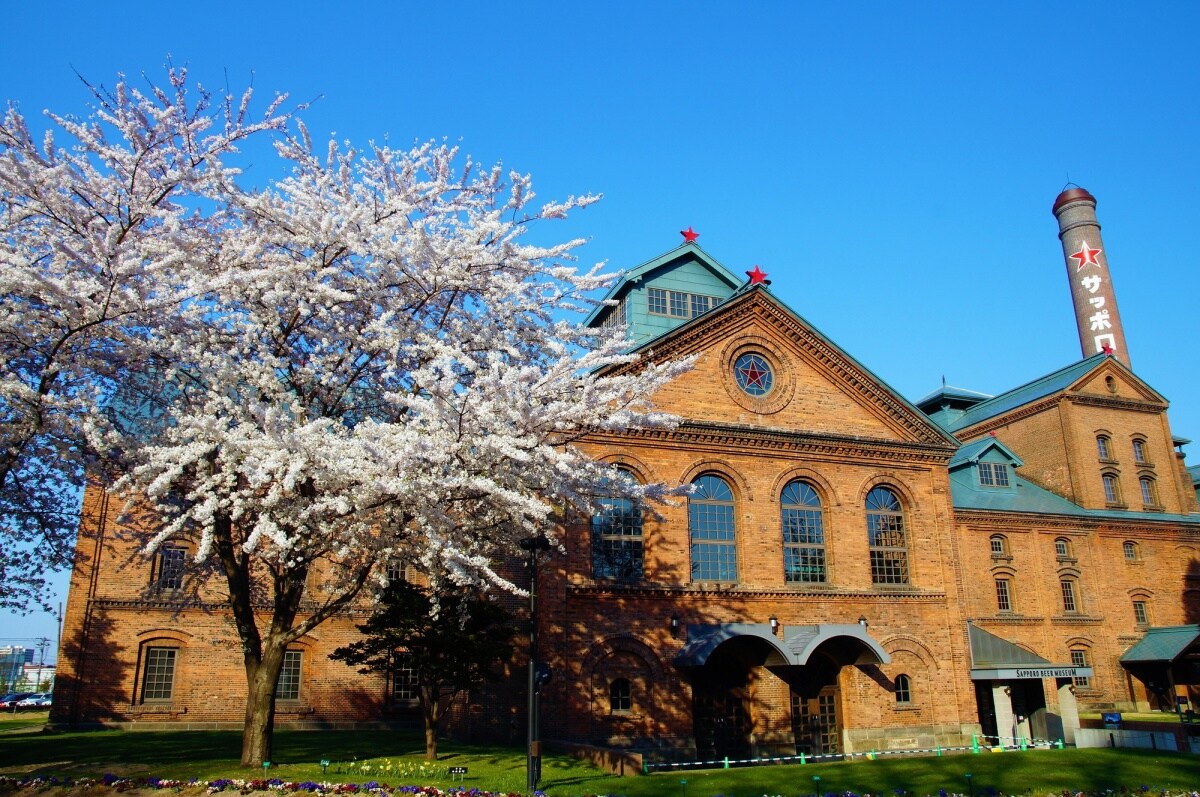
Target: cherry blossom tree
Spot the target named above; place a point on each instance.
(364, 362)
(97, 242)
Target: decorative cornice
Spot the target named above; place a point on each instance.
(1017, 619)
(1060, 619)
(653, 591)
(1103, 526)
(1114, 403)
(709, 435)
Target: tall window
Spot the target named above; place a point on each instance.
(620, 696)
(993, 474)
(1112, 489)
(903, 689)
(1103, 447)
(1149, 494)
(617, 540)
(885, 531)
(168, 568)
(1139, 452)
(1069, 601)
(1003, 596)
(1140, 615)
(712, 530)
(803, 534)
(404, 683)
(158, 679)
(1079, 658)
(288, 685)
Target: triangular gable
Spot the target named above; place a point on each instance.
(988, 448)
(1075, 378)
(1111, 378)
(839, 396)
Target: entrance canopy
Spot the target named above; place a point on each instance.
(997, 659)
(1164, 645)
(793, 646)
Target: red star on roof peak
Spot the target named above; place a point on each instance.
(758, 276)
(1086, 256)
(1107, 349)
(689, 235)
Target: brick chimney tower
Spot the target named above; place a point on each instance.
(1092, 291)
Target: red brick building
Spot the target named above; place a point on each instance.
(852, 571)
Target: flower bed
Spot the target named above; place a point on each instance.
(241, 786)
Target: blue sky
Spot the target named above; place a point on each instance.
(891, 166)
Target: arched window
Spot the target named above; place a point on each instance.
(1131, 551)
(617, 551)
(903, 690)
(999, 545)
(1080, 658)
(712, 530)
(620, 696)
(1003, 595)
(1149, 491)
(803, 534)
(167, 572)
(1062, 548)
(1070, 596)
(1141, 614)
(885, 530)
(1104, 447)
(1112, 488)
(1139, 451)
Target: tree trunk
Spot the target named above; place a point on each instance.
(259, 728)
(430, 710)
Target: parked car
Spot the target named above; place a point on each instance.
(9, 701)
(37, 700)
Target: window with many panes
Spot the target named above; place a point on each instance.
(617, 315)
(405, 686)
(1131, 551)
(1070, 602)
(617, 551)
(993, 474)
(1140, 614)
(712, 531)
(1003, 595)
(288, 685)
(678, 304)
(1062, 548)
(1112, 489)
(1104, 447)
(903, 689)
(158, 677)
(168, 568)
(885, 535)
(999, 545)
(620, 696)
(1079, 658)
(1139, 452)
(1149, 493)
(803, 534)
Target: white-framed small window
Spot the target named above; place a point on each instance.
(288, 685)
(1130, 549)
(1112, 488)
(998, 544)
(1149, 491)
(1141, 615)
(1139, 452)
(1003, 595)
(1104, 447)
(1062, 548)
(1070, 600)
(1079, 658)
(993, 474)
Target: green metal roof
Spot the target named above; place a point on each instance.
(989, 651)
(971, 453)
(1026, 394)
(1162, 644)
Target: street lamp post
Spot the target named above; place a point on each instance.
(533, 761)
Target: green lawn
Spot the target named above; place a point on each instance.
(396, 759)
(19, 720)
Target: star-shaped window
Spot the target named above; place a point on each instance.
(753, 374)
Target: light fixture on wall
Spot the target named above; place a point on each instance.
(774, 621)
(862, 620)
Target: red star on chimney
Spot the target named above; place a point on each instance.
(1086, 256)
(758, 275)
(689, 235)
(1107, 349)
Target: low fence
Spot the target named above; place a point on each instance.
(979, 744)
